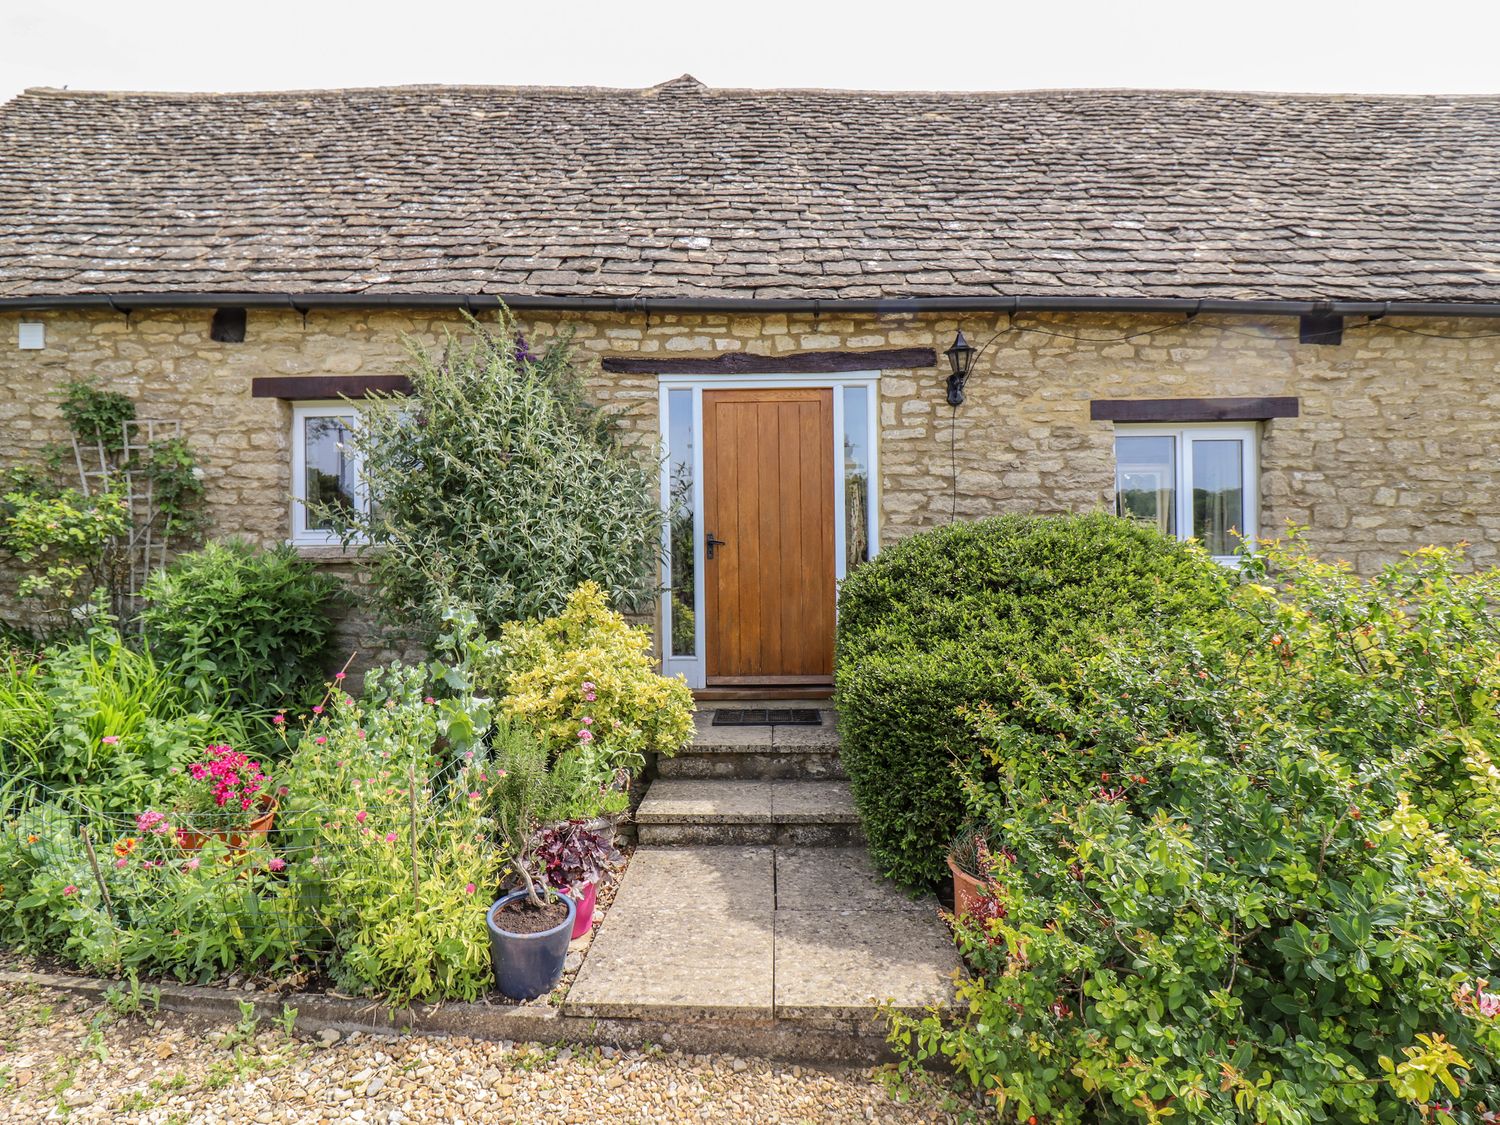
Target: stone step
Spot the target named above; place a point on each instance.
(790, 751)
(808, 763)
(747, 811)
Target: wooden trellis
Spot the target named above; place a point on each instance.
(133, 557)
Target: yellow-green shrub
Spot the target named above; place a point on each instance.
(586, 680)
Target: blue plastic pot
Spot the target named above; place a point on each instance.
(529, 965)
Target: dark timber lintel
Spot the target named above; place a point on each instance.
(799, 363)
(1192, 409)
(305, 387)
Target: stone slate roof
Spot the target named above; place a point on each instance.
(685, 191)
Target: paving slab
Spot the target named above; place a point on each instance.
(841, 963)
(839, 879)
(700, 948)
(815, 802)
(675, 800)
(706, 734)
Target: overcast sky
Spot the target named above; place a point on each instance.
(990, 45)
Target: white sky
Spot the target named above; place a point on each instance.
(1371, 47)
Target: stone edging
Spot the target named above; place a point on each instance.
(841, 1043)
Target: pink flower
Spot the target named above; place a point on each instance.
(318, 710)
(588, 720)
(390, 837)
(586, 735)
(277, 864)
(192, 864)
(278, 719)
(70, 889)
(360, 816)
(338, 675)
(359, 733)
(321, 739)
(110, 739)
(589, 697)
(587, 686)
(121, 862)
(429, 701)
(474, 796)
(469, 889)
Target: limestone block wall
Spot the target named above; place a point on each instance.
(1395, 447)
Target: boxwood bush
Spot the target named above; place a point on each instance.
(951, 617)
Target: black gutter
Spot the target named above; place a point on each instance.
(894, 306)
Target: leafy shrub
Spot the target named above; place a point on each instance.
(107, 722)
(1251, 865)
(252, 624)
(497, 485)
(949, 618)
(58, 540)
(395, 854)
(586, 681)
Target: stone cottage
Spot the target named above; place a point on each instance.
(1219, 312)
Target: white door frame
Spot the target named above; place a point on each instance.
(693, 668)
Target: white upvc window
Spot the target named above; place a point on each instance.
(326, 470)
(1195, 481)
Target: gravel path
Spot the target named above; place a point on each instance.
(65, 1058)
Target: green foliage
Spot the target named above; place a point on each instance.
(586, 680)
(397, 855)
(1250, 865)
(170, 470)
(97, 416)
(954, 617)
(59, 539)
(108, 723)
(497, 485)
(248, 623)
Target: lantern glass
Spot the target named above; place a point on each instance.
(960, 355)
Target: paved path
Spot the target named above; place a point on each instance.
(751, 897)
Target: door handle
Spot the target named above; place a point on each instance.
(711, 542)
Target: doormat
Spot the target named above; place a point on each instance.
(767, 716)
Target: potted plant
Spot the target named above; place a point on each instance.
(574, 856)
(971, 860)
(228, 797)
(530, 927)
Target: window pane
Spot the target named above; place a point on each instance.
(1218, 494)
(856, 476)
(680, 475)
(1146, 480)
(330, 482)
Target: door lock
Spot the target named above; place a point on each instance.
(711, 542)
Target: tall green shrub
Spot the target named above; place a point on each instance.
(497, 484)
(1248, 868)
(248, 623)
(946, 619)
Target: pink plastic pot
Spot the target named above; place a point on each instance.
(585, 916)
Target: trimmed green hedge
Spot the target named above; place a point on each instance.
(935, 622)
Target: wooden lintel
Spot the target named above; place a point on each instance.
(1192, 409)
(797, 363)
(308, 387)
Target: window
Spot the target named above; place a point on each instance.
(325, 471)
(1190, 481)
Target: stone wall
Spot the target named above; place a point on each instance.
(1395, 446)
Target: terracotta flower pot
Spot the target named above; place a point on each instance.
(238, 839)
(966, 891)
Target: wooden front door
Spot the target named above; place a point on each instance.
(768, 519)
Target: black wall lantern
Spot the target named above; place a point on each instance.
(961, 359)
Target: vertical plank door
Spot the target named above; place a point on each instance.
(768, 498)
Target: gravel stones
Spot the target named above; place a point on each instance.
(393, 1080)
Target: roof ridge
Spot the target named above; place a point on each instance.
(686, 82)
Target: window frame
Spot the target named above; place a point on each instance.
(301, 534)
(1183, 435)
